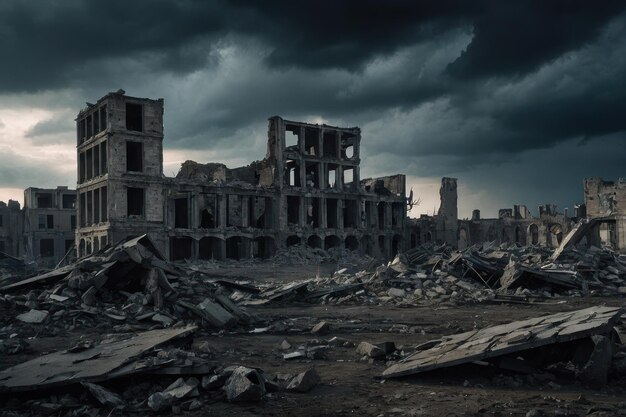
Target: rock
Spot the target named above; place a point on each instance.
(285, 345)
(317, 352)
(368, 349)
(596, 369)
(305, 381)
(396, 292)
(245, 384)
(33, 316)
(321, 328)
(294, 355)
(181, 388)
(160, 401)
(210, 382)
(535, 412)
(440, 290)
(104, 396)
(194, 405)
(387, 347)
(418, 292)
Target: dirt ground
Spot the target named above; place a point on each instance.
(353, 387)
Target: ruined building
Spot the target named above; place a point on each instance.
(307, 189)
(11, 225)
(514, 225)
(606, 201)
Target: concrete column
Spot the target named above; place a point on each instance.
(244, 211)
(323, 220)
(339, 177)
(340, 214)
(223, 212)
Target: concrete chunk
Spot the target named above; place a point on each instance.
(305, 381)
(245, 384)
(33, 316)
(368, 349)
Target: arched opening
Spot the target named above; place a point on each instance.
(96, 244)
(382, 247)
(237, 247)
(314, 241)
(263, 247)
(366, 245)
(533, 234)
(395, 244)
(210, 248)
(181, 248)
(332, 241)
(88, 248)
(491, 234)
(352, 243)
(413, 240)
(293, 240)
(429, 236)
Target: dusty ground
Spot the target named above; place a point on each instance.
(353, 387)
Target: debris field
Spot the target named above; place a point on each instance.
(490, 330)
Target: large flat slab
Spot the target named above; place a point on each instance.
(508, 338)
(104, 361)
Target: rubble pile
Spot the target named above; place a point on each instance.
(128, 286)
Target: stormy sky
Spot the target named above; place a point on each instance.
(519, 100)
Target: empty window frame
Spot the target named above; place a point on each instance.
(88, 164)
(73, 221)
(1, 221)
(312, 141)
(134, 156)
(41, 221)
(181, 213)
(81, 167)
(96, 205)
(96, 161)
(348, 178)
(350, 214)
(89, 126)
(312, 174)
(293, 210)
(331, 213)
(46, 248)
(103, 204)
(50, 221)
(313, 212)
(69, 201)
(292, 175)
(134, 117)
(331, 176)
(330, 144)
(44, 200)
(80, 130)
(292, 136)
(103, 117)
(89, 218)
(103, 158)
(81, 209)
(135, 201)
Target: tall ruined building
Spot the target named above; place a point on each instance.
(448, 214)
(307, 190)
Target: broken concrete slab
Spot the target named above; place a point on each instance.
(323, 327)
(33, 316)
(99, 363)
(508, 338)
(596, 370)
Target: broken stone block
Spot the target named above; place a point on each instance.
(321, 328)
(210, 382)
(216, 314)
(285, 345)
(396, 292)
(305, 381)
(596, 369)
(104, 396)
(245, 384)
(33, 316)
(294, 355)
(340, 342)
(160, 401)
(387, 347)
(181, 388)
(317, 352)
(368, 349)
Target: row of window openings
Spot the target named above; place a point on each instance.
(46, 247)
(259, 212)
(93, 207)
(46, 200)
(331, 147)
(349, 214)
(292, 178)
(96, 121)
(46, 221)
(93, 161)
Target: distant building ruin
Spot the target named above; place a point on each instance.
(306, 190)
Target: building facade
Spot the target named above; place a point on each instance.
(306, 190)
(49, 223)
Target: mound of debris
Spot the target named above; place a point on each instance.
(127, 285)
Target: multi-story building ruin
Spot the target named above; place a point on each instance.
(606, 201)
(11, 226)
(49, 223)
(306, 190)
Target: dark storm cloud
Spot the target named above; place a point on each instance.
(515, 37)
(50, 126)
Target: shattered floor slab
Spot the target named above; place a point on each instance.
(99, 363)
(508, 338)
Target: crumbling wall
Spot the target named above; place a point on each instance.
(447, 215)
